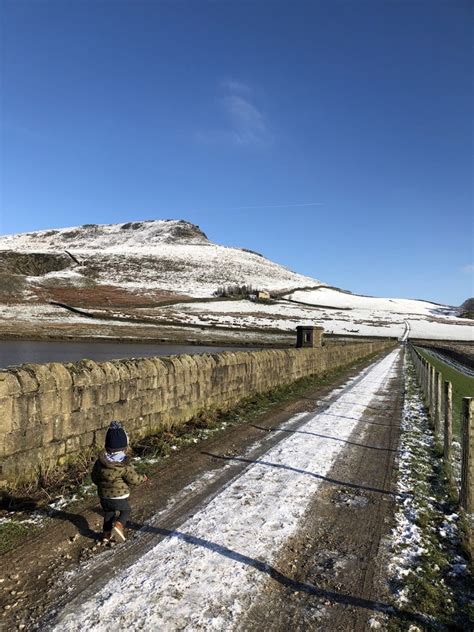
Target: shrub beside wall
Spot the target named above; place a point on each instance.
(51, 412)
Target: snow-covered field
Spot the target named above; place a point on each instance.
(331, 297)
(204, 575)
(362, 321)
(425, 319)
(280, 315)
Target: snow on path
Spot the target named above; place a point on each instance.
(204, 575)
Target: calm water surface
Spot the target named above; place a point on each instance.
(14, 352)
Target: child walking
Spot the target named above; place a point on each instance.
(113, 473)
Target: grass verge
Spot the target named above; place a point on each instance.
(430, 572)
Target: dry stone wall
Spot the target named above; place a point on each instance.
(50, 413)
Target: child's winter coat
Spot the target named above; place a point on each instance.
(113, 477)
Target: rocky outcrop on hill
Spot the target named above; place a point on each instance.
(33, 263)
(131, 235)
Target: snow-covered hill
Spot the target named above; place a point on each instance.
(148, 272)
(169, 255)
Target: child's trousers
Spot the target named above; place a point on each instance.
(112, 507)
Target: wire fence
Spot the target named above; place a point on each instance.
(449, 397)
(462, 382)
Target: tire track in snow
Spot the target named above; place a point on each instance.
(204, 575)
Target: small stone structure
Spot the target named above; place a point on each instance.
(51, 413)
(309, 337)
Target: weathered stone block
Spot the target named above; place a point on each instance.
(73, 444)
(111, 372)
(107, 393)
(88, 398)
(61, 376)
(150, 405)
(24, 411)
(48, 404)
(22, 440)
(43, 376)
(80, 374)
(87, 440)
(27, 380)
(9, 384)
(128, 389)
(148, 368)
(96, 374)
(66, 402)
(6, 415)
(133, 367)
(133, 408)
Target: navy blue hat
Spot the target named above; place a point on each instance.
(116, 437)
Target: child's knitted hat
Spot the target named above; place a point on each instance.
(116, 437)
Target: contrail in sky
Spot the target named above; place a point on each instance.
(280, 205)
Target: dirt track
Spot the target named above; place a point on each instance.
(338, 549)
(329, 574)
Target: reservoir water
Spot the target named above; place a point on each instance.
(15, 352)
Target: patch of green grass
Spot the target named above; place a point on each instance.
(12, 532)
(463, 386)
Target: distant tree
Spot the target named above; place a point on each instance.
(234, 291)
(467, 309)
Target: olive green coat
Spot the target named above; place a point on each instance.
(113, 479)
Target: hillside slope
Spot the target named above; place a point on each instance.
(163, 256)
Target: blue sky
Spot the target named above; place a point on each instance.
(334, 137)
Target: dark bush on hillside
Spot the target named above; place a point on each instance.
(235, 291)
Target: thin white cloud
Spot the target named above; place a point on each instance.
(247, 121)
(247, 124)
(280, 205)
(469, 269)
(235, 87)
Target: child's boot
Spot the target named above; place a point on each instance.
(106, 537)
(118, 531)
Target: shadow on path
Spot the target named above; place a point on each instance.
(321, 436)
(313, 474)
(276, 575)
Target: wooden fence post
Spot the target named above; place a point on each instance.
(448, 420)
(437, 404)
(432, 393)
(466, 498)
(428, 384)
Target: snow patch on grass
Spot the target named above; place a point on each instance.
(428, 571)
